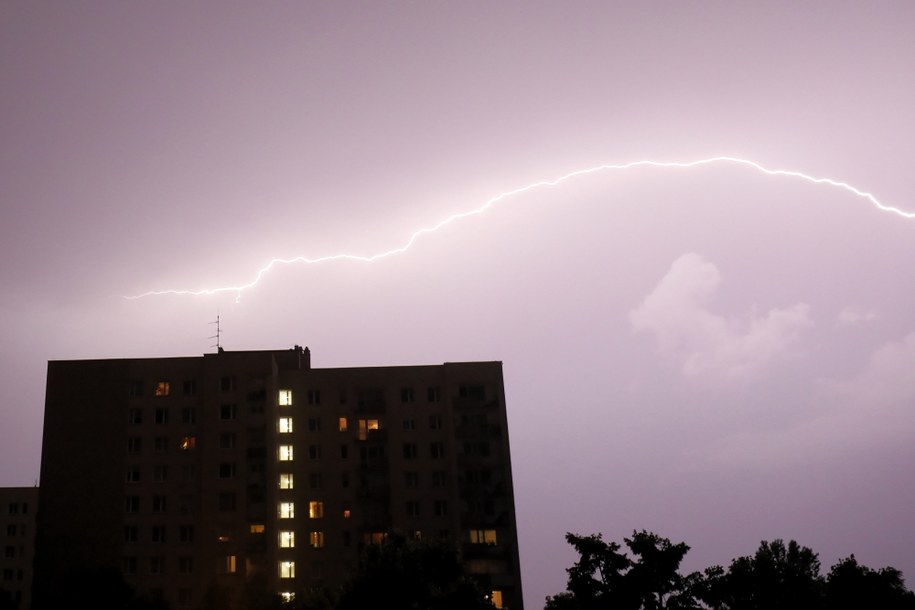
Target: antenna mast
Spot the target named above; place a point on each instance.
(216, 336)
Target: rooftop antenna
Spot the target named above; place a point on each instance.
(216, 336)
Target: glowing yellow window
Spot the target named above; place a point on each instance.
(287, 596)
(257, 528)
(366, 426)
(162, 388)
(285, 453)
(285, 398)
(230, 564)
(287, 539)
(287, 510)
(285, 425)
(316, 509)
(483, 536)
(341, 425)
(496, 599)
(346, 513)
(188, 443)
(316, 539)
(285, 480)
(287, 569)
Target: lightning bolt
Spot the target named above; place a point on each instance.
(518, 191)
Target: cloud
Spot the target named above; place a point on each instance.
(703, 342)
(849, 316)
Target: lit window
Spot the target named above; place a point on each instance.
(366, 426)
(286, 480)
(483, 536)
(346, 513)
(287, 510)
(287, 569)
(496, 599)
(285, 453)
(316, 539)
(188, 443)
(373, 537)
(287, 596)
(257, 528)
(230, 564)
(315, 509)
(341, 425)
(285, 425)
(285, 398)
(162, 388)
(287, 540)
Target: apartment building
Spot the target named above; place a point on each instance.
(250, 472)
(17, 534)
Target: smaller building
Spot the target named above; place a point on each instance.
(18, 506)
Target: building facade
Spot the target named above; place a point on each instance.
(251, 472)
(17, 534)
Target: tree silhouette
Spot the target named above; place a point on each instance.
(604, 577)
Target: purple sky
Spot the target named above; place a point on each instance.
(714, 354)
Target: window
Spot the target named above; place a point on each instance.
(158, 534)
(473, 391)
(160, 473)
(409, 451)
(496, 599)
(435, 422)
(159, 503)
(409, 423)
(341, 424)
(186, 534)
(315, 480)
(316, 539)
(188, 415)
(314, 424)
(227, 470)
(287, 510)
(134, 444)
(434, 394)
(188, 443)
(439, 478)
(285, 398)
(314, 452)
(479, 448)
(437, 450)
(315, 509)
(130, 565)
(161, 415)
(230, 564)
(135, 416)
(227, 440)
(157, 565)
(185, 564)
(482, 536)
(314, 397)
(285, 453)
(406, 394)
(285, 425)
(132, 504)
(366, 426)
(344, 479)
(287, 569)
(136, 388)
(227, 412)
(133, 474)
(227, 383)
(189, 387)
(287, 539)
(373, 537)
(162, 388)
(411, 478)
(412, 508)
(344, 451)
(131, 533)
(346, 513)
(285, 480)
(160, 444)
(440, 508)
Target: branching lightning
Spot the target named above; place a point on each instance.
(507, 194)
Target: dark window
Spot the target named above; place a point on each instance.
(409, 451)
(227, 412)
(406, 394)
